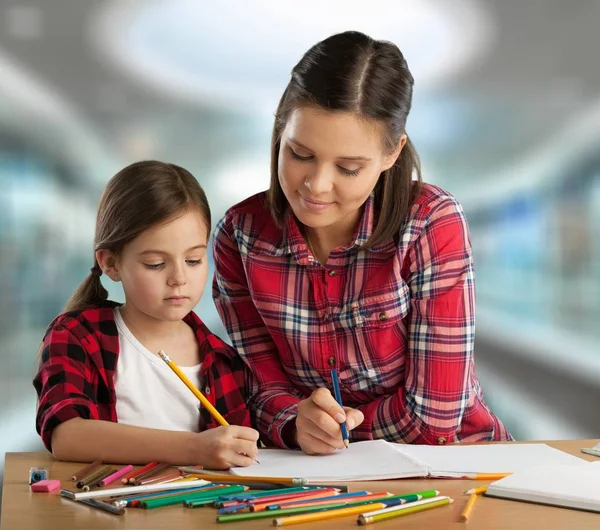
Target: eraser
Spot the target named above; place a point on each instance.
(46, 485)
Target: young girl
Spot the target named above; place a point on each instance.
(349, 262)
(103, 391)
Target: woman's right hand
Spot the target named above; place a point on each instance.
(318, 423)
(225, 447)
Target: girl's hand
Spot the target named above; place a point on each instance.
(225, 447)
(318, 423)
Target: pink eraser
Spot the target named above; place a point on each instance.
(45, 485)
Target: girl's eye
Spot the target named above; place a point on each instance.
(153, 266)
(349, 172)
(193, 262)
(298, 157)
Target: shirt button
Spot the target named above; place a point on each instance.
(354, 305)
(331, 361)
(441, 440)
(207, 390)
(332, 273)
(382, 316)
(325, 317)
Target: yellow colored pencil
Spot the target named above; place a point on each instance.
(484, 476)
(479, 491)
(240, 479)
(404, 509)
(322, 516)
(464, 516)
(205, 403)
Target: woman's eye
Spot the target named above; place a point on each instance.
(298, 157)
(153, 266)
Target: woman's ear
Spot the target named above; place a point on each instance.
(108, 263)
(390, 159)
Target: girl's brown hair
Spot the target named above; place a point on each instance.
(355, 73)
(138, 197)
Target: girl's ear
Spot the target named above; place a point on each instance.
(108, 263)
(390, 159)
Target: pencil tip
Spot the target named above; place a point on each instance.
(346, 443)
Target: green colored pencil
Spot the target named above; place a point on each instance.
(211, 496)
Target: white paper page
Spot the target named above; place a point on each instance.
(493, 458)
(369, 460)
(570, 486)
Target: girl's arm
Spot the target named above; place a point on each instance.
(84, 440)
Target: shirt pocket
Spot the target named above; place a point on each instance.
(376, 340)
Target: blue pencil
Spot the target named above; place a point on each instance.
(338, 398)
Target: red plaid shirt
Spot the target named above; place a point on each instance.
(79, 359)
(397, 320)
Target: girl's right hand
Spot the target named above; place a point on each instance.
(225, 447)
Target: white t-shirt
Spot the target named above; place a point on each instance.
(149, 394)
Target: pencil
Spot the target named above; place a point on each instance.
(238, 479)
(338, 398)
(479, 491)
(464, 516)
(132, 476)
(86, 470)
(116, 475)
(324, 515)
(205, 403)
(402, 510)
(484, 476)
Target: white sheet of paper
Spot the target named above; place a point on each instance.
(568, 486)
(492, 458)
(370, 460)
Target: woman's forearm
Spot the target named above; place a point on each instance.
(83, 440)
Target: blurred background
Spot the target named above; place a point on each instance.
(506, 116)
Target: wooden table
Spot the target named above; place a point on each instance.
(48, 511)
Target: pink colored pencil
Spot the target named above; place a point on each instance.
(116, 475)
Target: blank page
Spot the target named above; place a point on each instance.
(492, 458)
(569, 486)
(369, 460)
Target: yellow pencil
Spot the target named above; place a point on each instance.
(464, 516)
(479, 491)
(404, 509)
(205, 403)
(321, 516)
(215, 477)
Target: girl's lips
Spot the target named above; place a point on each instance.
(315, 206)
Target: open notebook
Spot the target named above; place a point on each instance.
(568, 486)
(379, 460)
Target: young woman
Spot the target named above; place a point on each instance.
(349, 261)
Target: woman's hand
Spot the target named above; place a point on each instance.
(318, 423)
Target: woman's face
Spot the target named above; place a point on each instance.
(329, 163)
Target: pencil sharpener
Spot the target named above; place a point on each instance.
(37, 473)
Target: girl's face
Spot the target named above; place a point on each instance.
(164, 270)
(329, 163)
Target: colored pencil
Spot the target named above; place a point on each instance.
(464, 516)
(405, 509)
(96, 482)
(105, 506)
(159, 468)
(325, 515)
(205, 403)
(132, 476)
(245, 480)
(476, 490)
(338, 397)
(86, 470)
(116, 475)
